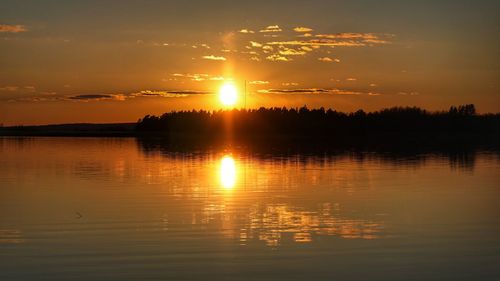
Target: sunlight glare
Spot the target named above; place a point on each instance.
(228, 172)
(228, 94)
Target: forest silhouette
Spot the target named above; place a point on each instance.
(320, 123)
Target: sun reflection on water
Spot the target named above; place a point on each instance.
(228, 172)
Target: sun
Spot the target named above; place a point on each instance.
(228, 94)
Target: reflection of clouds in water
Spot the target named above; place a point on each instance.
(273, 223)
(269, 223)
(11, 236)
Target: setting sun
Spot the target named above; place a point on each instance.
(228, 94)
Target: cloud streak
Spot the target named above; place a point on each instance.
(271, 28)
(302, 29)
(216, 58)
(7, 28)
(315, 91)
(327, 59)
(277, 57)
(90, 97)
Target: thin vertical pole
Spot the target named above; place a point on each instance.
(245, 94)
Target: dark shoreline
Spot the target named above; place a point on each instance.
(385, 141)
(72, 130)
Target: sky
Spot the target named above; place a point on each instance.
(116, 61)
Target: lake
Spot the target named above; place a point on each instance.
(122, 209)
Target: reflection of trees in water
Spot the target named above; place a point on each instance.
(17, 143)
(462, 158)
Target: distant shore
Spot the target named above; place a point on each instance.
(400, 127)
(73, 130)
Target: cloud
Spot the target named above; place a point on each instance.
(212, 57)
(294, 91)
(198, 77)
(9, 88)
(168, 94)
(52, 96)
(217, 78)
(12, 28)
(258, 82)
(365, 37)
(91, 97)
(255, 58)
(347, 36)
(408, 93)
(307, 49)
(309, 91)
(18, 89)
(271, 28)
(291, 52)
(143, 93)
(351, 79)
(255, 44)
(327, 59)
(276, 57)
(306, 35)
(319, 42)
(267, 49)
(302, 29)
(246, 31)
(339, 40)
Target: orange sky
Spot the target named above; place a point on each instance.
(101, 62)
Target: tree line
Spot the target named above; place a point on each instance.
(319, 123)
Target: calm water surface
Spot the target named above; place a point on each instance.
(116, 209)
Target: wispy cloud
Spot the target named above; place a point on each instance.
(348, 35)
(267, 49)
(255, 44)
(212, 57)
(259, 82)
(277, 57)
(365, 37)
(167, 94)
(17, 89)
(408, 93)
(328, 59)
(90, 97)
(12, 28)
(339, 40)
(319, 43)
(198, 77)
(9, 88)
(312, 91)
(294, 91)
(271, 28)
(246, 31)
(302, 29)
(291, 52)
